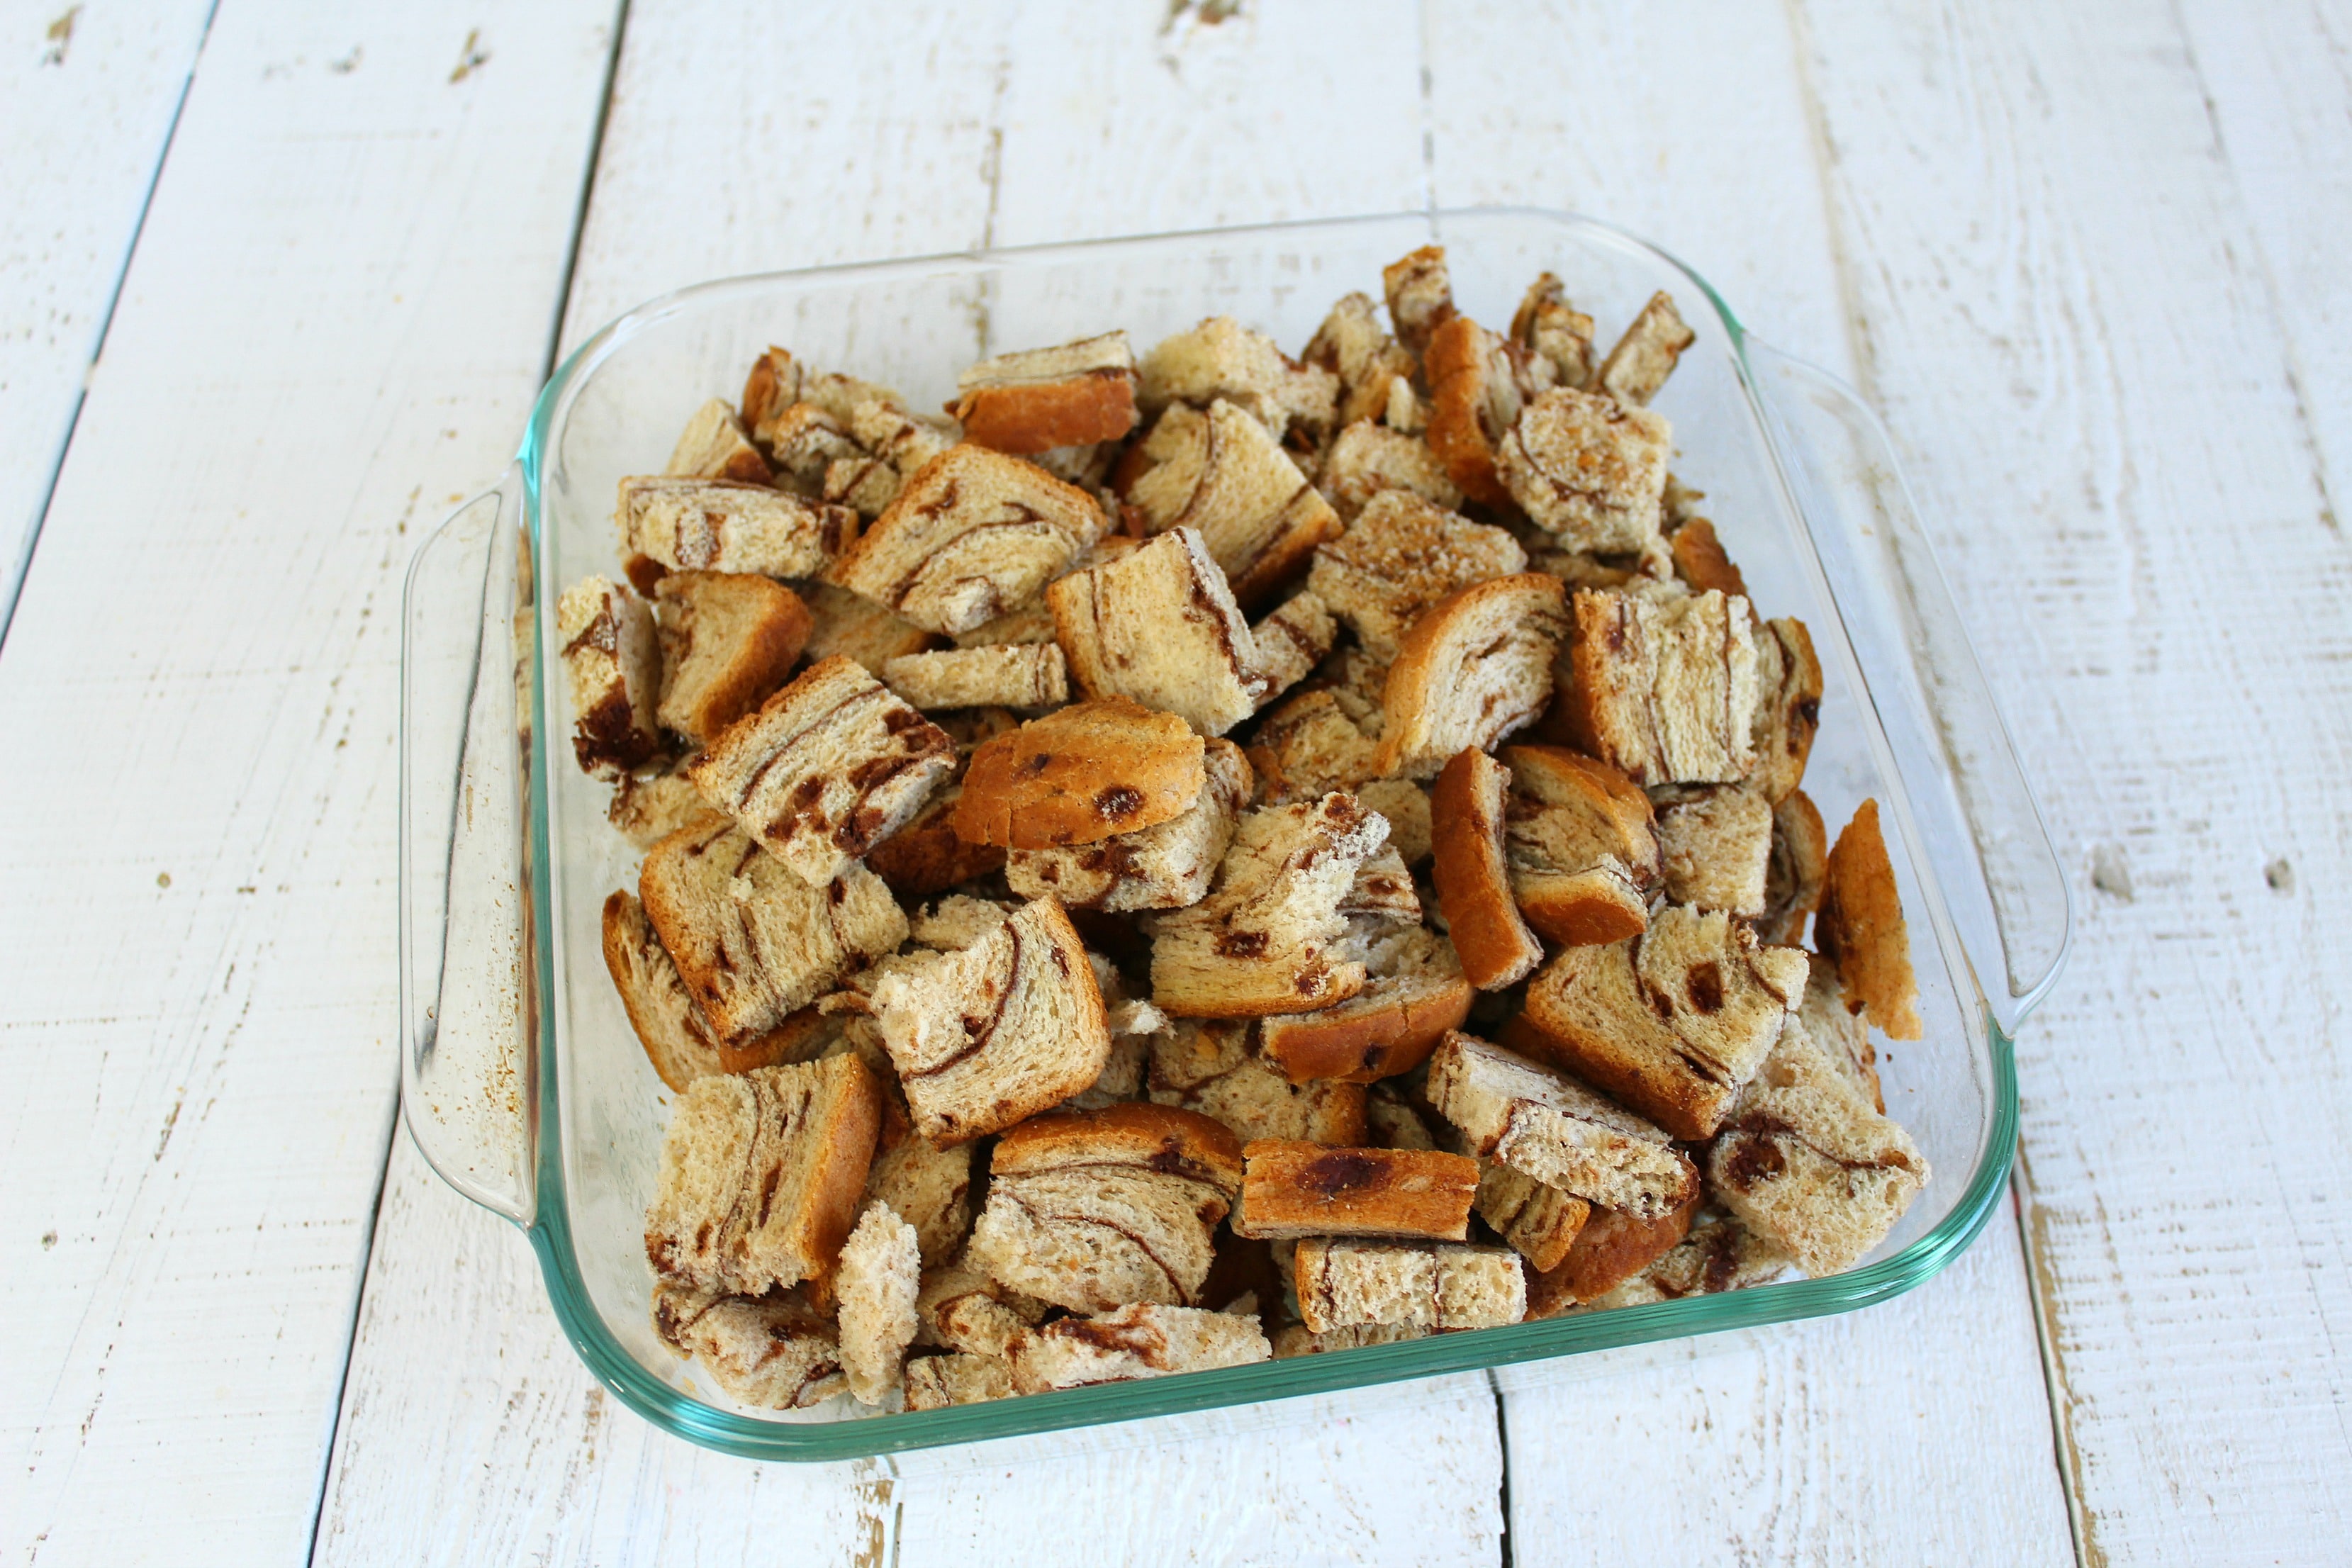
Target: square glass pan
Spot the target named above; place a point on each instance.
(523, 1084)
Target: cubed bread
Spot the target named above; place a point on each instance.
(1581, 845)
(760, 1174)
(843, 395)
(1861, 929)
(1546, 1125)
(1844, 1037)
(997, 1031)
(1081, 776)
(1141, 1339)
(727, 640)
(1222, 474)
(881, 1268)
(1292, 1189)
(1206, 1065)
(1310, 746)
(1473, 884)
(1611, 1248)
(1369, 461)
(937, 1381)
(613, 666)
(1290, 642)
(807, 445)
(1540, 1221)
(1808, 1163)
(1715, 845)
(1402, 556)
(1476, 395)
(1090, 1210)
(1787, 706)
(1221, 359)
(1020, 675)
(1265, 940)
(1474, 669)
(1647, 353)
(1159, 626)
(1391, 1120)
(1414, 991)
(1700, 560)
(973, 533)
(1121, 1079)
(1720, 1254)
(1419, 294)
(1554, 331)
(1588, 470)
(1672, 1023)
(654, 997)
(826, 768)
(771, 1352)
(926, 1185)
(1794, 870)
(1037, 399)
(773, 385)
(927, 856)
(713, 447)
(1164, 867)
(961, 1308)
(1299, 1340)
(853, 625)
(753, 940)
(1665, 688)
(1351, 345)
(1406, 805)
(718, 525)
(655, 802)
(1344, 1283)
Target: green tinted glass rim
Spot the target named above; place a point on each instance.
(858, 1438)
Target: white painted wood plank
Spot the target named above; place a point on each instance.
(1834, 1441)
(334, 323)
(2073, 341)
(87, 99)
(969, 141)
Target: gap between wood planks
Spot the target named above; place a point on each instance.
(21, 566)
(471, 62)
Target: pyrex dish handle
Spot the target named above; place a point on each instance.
(1975, 814)
(467, 1007)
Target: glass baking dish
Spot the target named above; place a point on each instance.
(522, 1083)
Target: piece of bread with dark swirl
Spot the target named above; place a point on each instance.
(1220, 473)
(1401, 555)
(992, 1033)
(612, 668)
(720, 525)
(654, 997)
(937, 1381)
(1787, 706)
(1794, 870)
(1267, 938)
(1166, 866)
(1419, 294)
(714, 447)
(1292, 1189)
(826, 768)
(1581, 845)
(1588, 470)
(1546, 1125)
(727, 640)
(1715, 844)
(1141, 1339)
(1014, 674)
(761, 1176)
(1090, 1210)
(753, 941)
(1159, 626)
(1208, 1065)
(1861, 929)
(972, 534)
(1467, 812)
(1611, 1248)
(1351, 345)
(1555, 332)
(1348, 1283)
(1638, 366)
(1036, 399)
(1414, 991)
(853, 626)
(1539, 1221)
(1367, 460)
(1477, 390)
(773, 1352)
(1672, 1023)
(1221, 359)
(1665, 687)
(1476, 667)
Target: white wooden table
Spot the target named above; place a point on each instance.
(277, 286)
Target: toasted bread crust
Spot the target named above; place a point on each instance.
(1455, 657)
(1794, 875)
(1079, 776)
(772, 625)
(1359, 1043)
(1861, 928)
(673, 1037)
(1097, 405)
(1297, 1189)
(1458, 365)
(1474, 885)
(1612, 1247)
(1597, 906)
(1177, 1142)
(1700, 560)
(928, 855)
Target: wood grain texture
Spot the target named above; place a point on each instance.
(2060, 309)
(336, 319)
(87, 101)
(975, 130)
(1838, 1436)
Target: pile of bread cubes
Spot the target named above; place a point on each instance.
(1221, 857)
